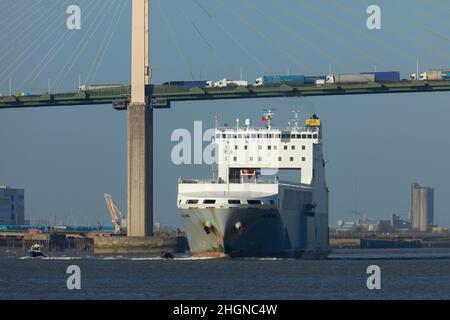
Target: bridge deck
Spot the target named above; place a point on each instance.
(163, 95)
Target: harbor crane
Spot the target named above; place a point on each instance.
(116, 215)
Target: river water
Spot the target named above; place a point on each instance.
(405, 274)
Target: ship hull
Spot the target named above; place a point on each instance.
(261, 233)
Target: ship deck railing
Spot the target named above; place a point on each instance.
(237, 181)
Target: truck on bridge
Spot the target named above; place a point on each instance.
(435, 75)
(98, 87)
(364, 77)
(287, 79)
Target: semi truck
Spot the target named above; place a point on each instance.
(350, 78)
(99, 87)
(195, 83)
(279, 79)
(363, 77)
(385, 76)
(435, 75)
(287, 79)
(224, 83)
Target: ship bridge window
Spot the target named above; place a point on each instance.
(293, 136)
(299, 136)
(232, 201)
(224, 136)
(209, 201)
(218, 135)
(315, 136)
(309, 136)
(191, 201)
(253, 135)
(254, 201)
(278, 136)
(303, 136)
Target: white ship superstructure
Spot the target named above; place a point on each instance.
(245, 210)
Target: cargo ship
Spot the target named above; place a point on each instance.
(245, 210)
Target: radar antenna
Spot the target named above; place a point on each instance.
(267, 117)
(296, 117)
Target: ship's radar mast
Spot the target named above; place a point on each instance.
(267, 117)
(296, 117)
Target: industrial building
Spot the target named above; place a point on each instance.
(12, 206)
(422, 208)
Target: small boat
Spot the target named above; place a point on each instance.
(166, 255)
(36, 251)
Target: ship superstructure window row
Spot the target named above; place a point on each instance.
(230, 201)
(267, 136)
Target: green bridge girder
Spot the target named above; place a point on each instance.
(162, 95)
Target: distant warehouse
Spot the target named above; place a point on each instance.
(12, 206)
(422, 208)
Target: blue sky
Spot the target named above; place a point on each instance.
(376, 146)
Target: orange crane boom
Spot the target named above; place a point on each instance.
(116, 214)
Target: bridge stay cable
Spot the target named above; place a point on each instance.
(420, 15)
(40, 19)
(83, 43)
(200, 34)
(358, 50)
(54, 50)
(294, 33)
(174, 40)
(410, 40)
(344, 24)
(124, 5)
(109, 33)
(234, 39)
(10, 10)
(25, 15)
(274, 45)
(25, 54)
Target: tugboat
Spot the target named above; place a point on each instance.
(166, 255)
(36, 251)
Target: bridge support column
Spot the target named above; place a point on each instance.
(140, 170)
(140, 128)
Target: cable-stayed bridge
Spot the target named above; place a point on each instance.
(141, 98)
